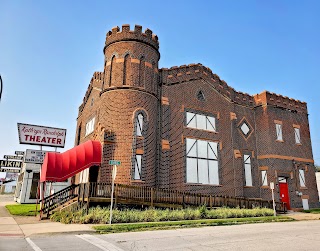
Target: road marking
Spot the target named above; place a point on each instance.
(33, 245)
(102, 244)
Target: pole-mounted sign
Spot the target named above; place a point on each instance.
(115, 163)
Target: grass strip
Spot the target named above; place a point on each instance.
(22, 209)
(133, 227)
(313, 211)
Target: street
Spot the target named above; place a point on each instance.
(300, 235)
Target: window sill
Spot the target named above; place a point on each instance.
(248, 186)
(298, 144)
(202, 130)
(200, 184)
(140, 137)
(303, 188)
(266, 187)
(138, 181)
(280, 141)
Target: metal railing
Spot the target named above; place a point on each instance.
(59, 198)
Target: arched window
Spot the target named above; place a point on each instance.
(127, 70)
(111, 68)
(141, 71)
(139, 124)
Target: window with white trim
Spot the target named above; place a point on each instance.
(200, 121)
(264, 178)
(279, 132)
(90, 126)
(297, 135)
(302, 178)
(139, 124)
(247, 169)
(137, 167)
(202, 165)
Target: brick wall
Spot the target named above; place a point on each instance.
(131, 83)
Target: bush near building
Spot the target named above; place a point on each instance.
(100, 215)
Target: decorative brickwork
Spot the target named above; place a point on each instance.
(237, 123)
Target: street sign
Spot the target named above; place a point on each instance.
(115, 162)
(10, 163)
(13, 157)
(19, 152)
(9, 170)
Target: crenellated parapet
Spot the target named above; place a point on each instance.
(116, 35)
(185, 73)
(96, 81)
(269, 98)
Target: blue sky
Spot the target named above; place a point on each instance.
(50, 49)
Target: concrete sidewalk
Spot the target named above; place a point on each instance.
(24, 226)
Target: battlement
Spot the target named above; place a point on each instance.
(269, 98)
(184, 73)
(96, 81)
(115, 35)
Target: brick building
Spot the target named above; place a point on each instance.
(184, 128)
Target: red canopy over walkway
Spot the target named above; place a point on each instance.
(61, 166)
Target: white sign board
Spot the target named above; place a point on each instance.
(41, 135)
(34, 156)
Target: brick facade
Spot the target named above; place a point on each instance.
(131, 87)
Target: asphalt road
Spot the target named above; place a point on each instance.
(301, 235)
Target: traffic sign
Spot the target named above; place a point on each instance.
(115, 162)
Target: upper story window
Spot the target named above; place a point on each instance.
(200, 121)
(247, 169)
(279, 132)
(90, 126)
(202, 162)
(297, 135)
(200, 96)
(139, 124)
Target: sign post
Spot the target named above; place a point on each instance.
(273, 203)
(115, 163)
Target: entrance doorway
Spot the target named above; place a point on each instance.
(93, 174)
(284, 191)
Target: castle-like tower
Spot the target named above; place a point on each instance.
(128, 101)
(184, 128)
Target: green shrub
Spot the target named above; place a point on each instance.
(98, 215)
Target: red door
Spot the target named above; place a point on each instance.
(284, 194)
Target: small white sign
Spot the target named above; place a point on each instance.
(271, 185)
(34, 156)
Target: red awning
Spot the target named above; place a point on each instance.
(61, 166)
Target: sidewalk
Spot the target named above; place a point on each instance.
(24, 226)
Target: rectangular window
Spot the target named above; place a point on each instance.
(90, 126)
(247, 169)
(302, 178)
(279, 132)
(200, 121)
(297, 135)
(202, 162)
(137, 167)
(264, 178)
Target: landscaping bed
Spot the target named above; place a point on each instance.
(98, 215)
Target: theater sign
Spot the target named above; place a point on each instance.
(41, 135)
